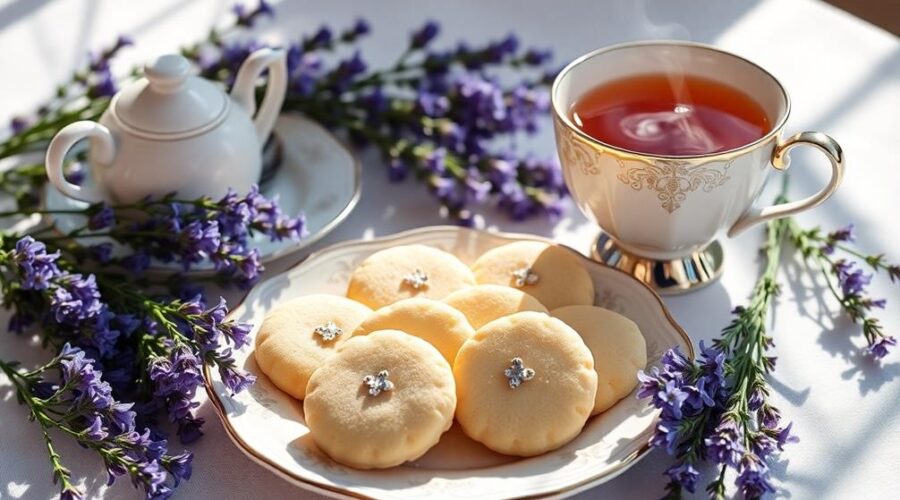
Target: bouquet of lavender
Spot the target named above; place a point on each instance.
(716, 408)
(129, 354)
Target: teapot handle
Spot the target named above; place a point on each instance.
(245, 86)
(103, 151)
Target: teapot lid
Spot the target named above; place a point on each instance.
(169, 100)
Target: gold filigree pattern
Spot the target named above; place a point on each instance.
(575, 152)
(673, 179)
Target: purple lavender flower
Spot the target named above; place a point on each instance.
(497, 51)
(101, 252)
(103, 86)
(189, 429)
(247, 18)
(179, 374)
(666, 435)
(684, 475)
(424, 35)
(784, 436)
(180, 467)
(321, 39)
(235, 380)
(699, 396)
(753, 477)
(397, 170)
(538, 57)
(75, 299)
(18, 125)
(845, 234)
(95, 431)
(36, 266)
(70, 493)
(880, 347)
(769, 416)
(675, 363)
(435, 161)
(852, 282)
(648, 383)
(671, 397)
(724, 445)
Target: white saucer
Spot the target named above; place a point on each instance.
(319, 177)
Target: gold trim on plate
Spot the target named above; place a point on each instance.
(329, 489)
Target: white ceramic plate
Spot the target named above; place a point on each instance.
(319, 177)
(268, 425)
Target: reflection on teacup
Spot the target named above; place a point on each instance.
(668, 201)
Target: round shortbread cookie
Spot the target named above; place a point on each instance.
(482, 304)
(618, 347)
(554, 378)
(432, 321)
(359, 426)
(551, 274)
(407, 271)
(297, 336)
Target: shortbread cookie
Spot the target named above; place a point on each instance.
(618, 347)
(552, 274)
(297, 336)
(407, 271)
(525, 384)
(484, 303)
(382, 399)
(432, 321)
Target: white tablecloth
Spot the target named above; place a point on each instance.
(844, 78)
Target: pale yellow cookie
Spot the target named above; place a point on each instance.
(525, 384)
(382, 399)
(297, 336)
(432, 321)
(407, 271)
(618, 347)
(551, 274)
(484, 303)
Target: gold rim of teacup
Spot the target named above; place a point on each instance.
(561, 110)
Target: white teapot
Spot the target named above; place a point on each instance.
(172, 131)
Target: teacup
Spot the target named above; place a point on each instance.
(660, 215)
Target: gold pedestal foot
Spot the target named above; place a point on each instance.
(667, 277)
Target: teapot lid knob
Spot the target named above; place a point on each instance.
(167, 73)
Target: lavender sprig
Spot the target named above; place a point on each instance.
(716, 408)
(827, 255)
(80, 404)
(187, 232)
(83, 97)
(127, 331)
(436, 115)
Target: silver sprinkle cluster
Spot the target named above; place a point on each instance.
(525, 276)
(517, 373)
(329, 331)
(378, 383)
(416, 279)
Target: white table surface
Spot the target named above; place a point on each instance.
(844, 78)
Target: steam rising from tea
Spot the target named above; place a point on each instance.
(661, 114)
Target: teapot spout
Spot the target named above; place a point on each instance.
(244, 90)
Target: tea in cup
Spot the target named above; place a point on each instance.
(667, 145)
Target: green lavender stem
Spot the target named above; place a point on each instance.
(37, 413)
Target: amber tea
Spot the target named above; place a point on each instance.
(661, 114)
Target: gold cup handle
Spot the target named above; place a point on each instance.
(780, 160)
